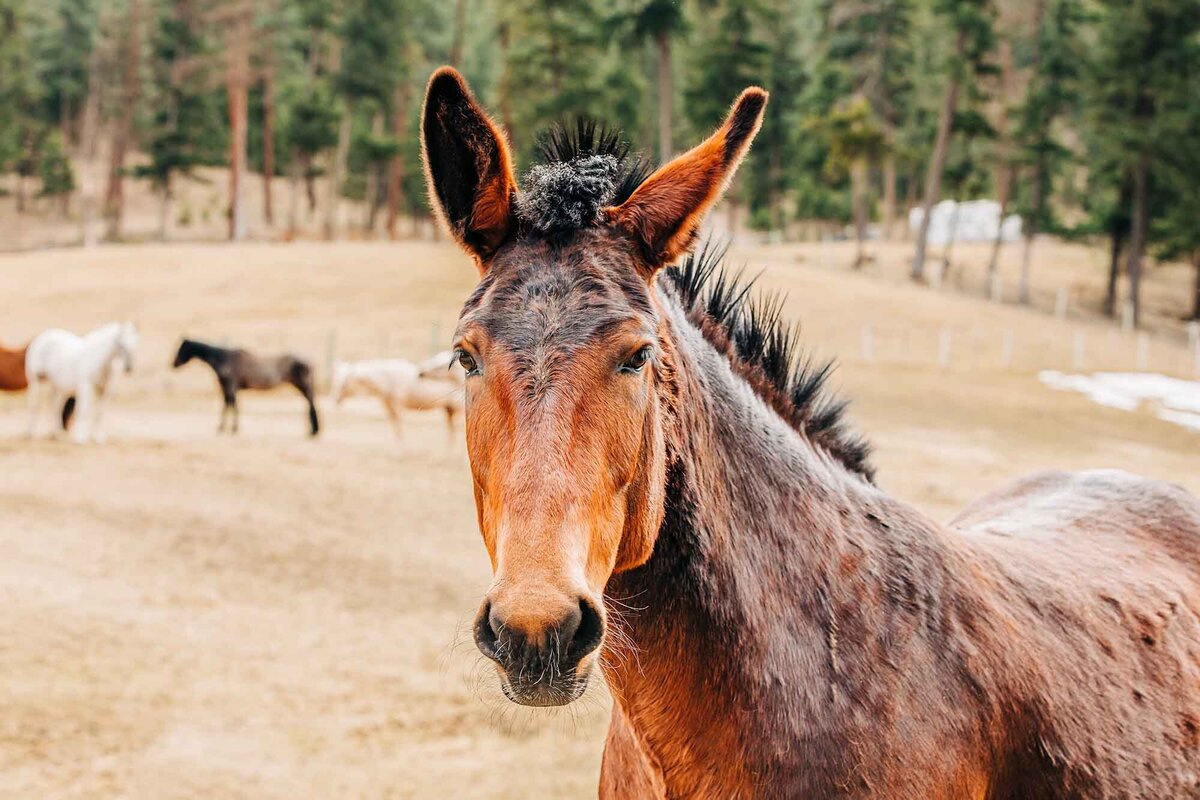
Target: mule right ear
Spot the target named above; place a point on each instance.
(467, 166)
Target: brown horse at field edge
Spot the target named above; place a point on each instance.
(12, 370)
(668, 492)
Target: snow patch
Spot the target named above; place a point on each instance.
(1177, 401)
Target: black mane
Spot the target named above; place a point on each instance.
(766, 350)
(582, 168)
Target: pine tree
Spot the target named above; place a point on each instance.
(18, 97)
(54, 170)
(186, 130)
(63, 63)
(1141, 91)
(730, 56)
(563, 64)
(974, 37)
(1053, 87)
(659, 22)
(867, 50)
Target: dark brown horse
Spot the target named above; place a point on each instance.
(239, 369)
(664, 492)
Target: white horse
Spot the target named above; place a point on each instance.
(443, 366)
(60, 364)
(399, 385)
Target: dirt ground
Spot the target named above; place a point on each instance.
(187, 616)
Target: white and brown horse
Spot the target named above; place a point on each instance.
(60, 365)
(399, 385)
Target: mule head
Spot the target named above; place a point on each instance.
(568, 364)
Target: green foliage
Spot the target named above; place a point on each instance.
(63, 49)
(18, 92)
(563, 64)
(1140, 77)
(1100, 84)
(313, 123)
(54, 168)
(187, 127)
(371, 50)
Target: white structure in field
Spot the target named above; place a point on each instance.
(972, 221)
(1172, 399)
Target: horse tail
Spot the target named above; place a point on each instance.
(68, 410)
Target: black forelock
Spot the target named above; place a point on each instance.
(582, 168)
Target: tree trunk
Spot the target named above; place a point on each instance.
(858, 204)
(164, 209)
(506, 110)
(237, 82)
(1137, 234)
(1004, 186)
(1005, 174)
(666, 97)
(889, 195)
(1039, 164)
(395, 187)
(1031, 227)
(1114, 274)
(375, 179)
(459, 34)
(948, 251)
(114, 198)
(89, 146)
(941, 147)
(910, 202)
(1196, 286)
(1119, 230)
(268, 155)
(337, 174)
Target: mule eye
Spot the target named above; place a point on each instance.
(635, 362)
(465, 361)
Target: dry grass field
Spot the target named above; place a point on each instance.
(268, 616)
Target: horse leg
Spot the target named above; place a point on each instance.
(83, 406)
(392, 407)
(233, 408)
(229, 409)
(313, 421)
(59, 399)
(98, 434)
(304, 385)
(450, 426)
(34, 395)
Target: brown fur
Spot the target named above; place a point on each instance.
(771, 623)
(12, 370)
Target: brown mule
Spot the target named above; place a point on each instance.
(666, 493)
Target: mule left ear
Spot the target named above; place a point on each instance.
(664, 213)
(467, 166)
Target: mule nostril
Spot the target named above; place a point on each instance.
(487, 637)
(588, 631)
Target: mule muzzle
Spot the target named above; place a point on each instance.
(541, 664)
